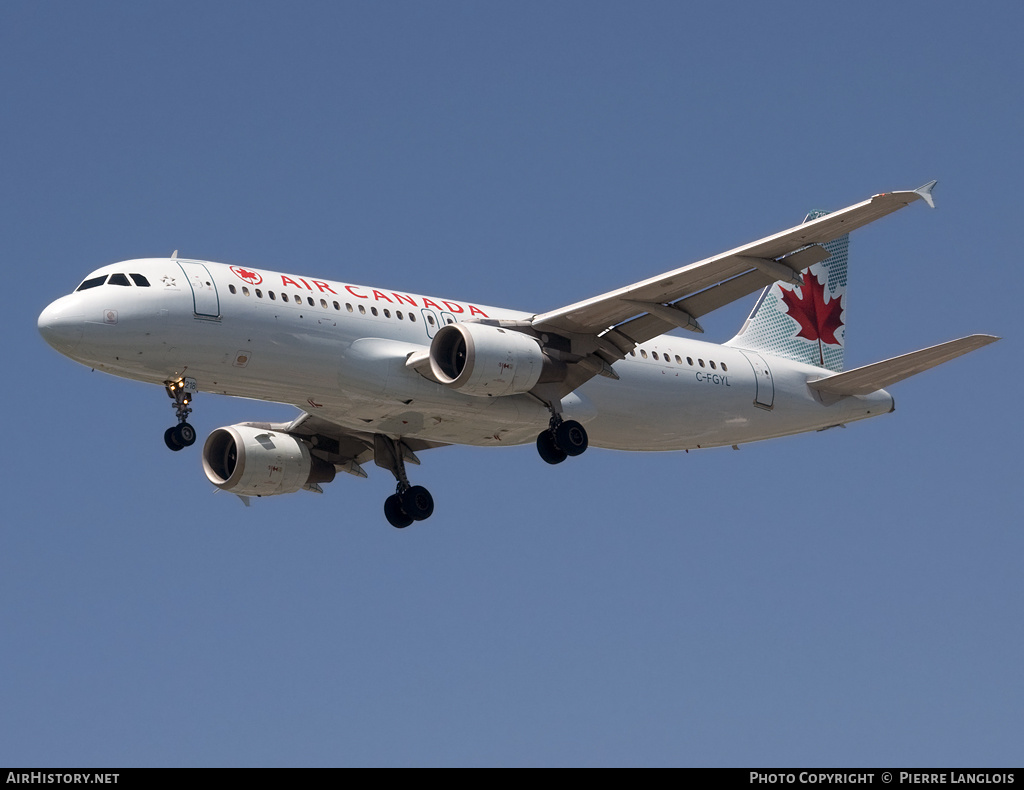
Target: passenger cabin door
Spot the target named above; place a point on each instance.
(764, 384)
(204, 290)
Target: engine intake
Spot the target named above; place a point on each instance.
(260, 462)
(483, 360)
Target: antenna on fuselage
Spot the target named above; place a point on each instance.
(174, 254)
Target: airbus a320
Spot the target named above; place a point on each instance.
(382, 375)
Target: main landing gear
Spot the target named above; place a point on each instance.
(409, 503)
(562, 439)
(406, 506)
(181, 435)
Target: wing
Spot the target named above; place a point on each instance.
(348, 450)
(623, 318)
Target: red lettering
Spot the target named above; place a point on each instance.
(455, 308)
(324, 287)
(306, 284)
(378, 296)
(351, 290)
(286, 280)
(476, 311)
(404, 299)
(430, 303)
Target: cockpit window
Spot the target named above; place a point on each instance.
(139, 280)
(118, 279)
(92, 283)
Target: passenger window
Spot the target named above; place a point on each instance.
(259, 294)
(374, 310)
(323, 303)
(118, 279)
(387, 313)
(271, 295)
(398, 314)
(712, 363)
(310, 300)
(232, 288)
(724, 368)
(701, 361)
(430, 320)
(245, 291)
(689, 361)
(139, 280)
(93, 283)
(362, 310)
(284, 297)
(643, 353)
(348, 307)
(412, 318)
(337, 306)
(654, 354)
(679, 361)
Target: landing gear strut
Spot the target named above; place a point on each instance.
(181, 435)
(562, 439)
(409, 503)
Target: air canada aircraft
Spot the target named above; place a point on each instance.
(381, 375)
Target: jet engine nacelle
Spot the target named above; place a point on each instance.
(483, 360)
(260, 462)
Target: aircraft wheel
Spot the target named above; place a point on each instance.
(171, 439)
(186, 434)
(417, 503)
(548, 450)
(571, 438)
(394, 513)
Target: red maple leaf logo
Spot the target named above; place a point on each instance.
(818, 320)
(248, 276)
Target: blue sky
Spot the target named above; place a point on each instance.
(846, 598)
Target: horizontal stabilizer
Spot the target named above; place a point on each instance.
(868, 379)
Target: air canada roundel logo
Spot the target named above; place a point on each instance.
(247, 275)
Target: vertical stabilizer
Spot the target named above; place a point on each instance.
(806, 323)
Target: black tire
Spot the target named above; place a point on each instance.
(186, 434)
(171, 439)
(394, 513)
(418, 503)
(549, 451)
(571, 438)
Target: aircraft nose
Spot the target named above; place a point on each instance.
(61, 325)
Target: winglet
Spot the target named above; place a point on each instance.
(926, 193)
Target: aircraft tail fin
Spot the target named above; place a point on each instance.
(805, 323)
(868, 379)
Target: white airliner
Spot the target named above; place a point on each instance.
(381, 375)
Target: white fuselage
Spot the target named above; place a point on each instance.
(339, 351)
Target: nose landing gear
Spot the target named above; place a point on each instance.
(181, 435)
